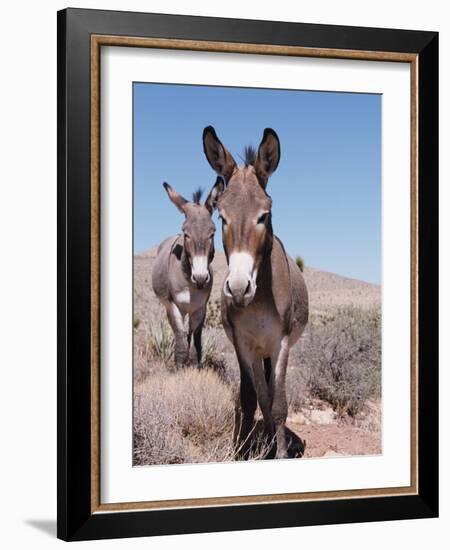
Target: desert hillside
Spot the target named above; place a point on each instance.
(325, 289)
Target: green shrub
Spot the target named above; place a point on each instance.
(300, 262)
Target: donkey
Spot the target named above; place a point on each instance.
(182, 278)
(264, 296)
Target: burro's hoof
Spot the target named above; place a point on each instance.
(260, 446)
(295, 445)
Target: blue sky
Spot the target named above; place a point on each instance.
(326, 191)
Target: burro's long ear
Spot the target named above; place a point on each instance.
(218, 157)
(268, 156)
(175, 197)
(214, 194)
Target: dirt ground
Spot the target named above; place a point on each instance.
(337, 440)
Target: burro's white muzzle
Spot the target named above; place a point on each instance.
(240, 284)
(199, 271)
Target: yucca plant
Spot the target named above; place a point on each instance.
(161, 341)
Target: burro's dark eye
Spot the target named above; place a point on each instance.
(187, 237)
(263, 217)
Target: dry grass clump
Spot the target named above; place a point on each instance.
(141, 364)
(175, 413)
(342, 358)
(205, 406)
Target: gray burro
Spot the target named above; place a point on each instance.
(264, 296)
(182, 277)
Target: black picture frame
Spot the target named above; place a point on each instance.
(75, 518)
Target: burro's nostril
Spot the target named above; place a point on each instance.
(248, 289)
(200, 279)
(227, 286)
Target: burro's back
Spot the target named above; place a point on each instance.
(160, 272)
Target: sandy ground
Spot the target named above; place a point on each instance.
(337, 440)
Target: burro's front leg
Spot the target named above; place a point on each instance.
(279, 404)
(196, 322)
(245, 414)
(176, 321)
(264, 401)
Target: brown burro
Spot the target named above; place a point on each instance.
(182, 278)
(264, 296)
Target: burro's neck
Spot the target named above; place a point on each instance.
(184, 261)
(264, 279)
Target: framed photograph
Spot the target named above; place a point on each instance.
(247, 286)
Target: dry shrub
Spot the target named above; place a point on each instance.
(342, 358)
(212, 355)
(141, 365)
(296, 387)
(157, 440)
(176, 412)
(213, 313)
